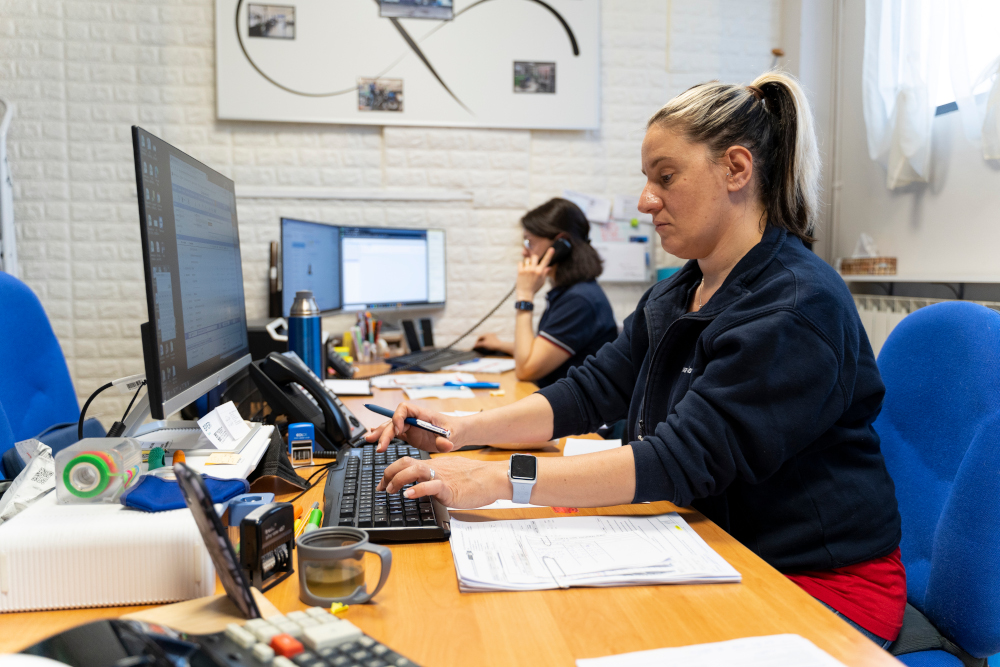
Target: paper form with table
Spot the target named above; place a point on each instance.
(541, 554)
(770, 651)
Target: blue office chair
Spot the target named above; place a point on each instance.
(6, 437)
(940, 431)
(35, 388)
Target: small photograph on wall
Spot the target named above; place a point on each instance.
(416, 9)
(531, 77)
(380, 94)
(275, 21)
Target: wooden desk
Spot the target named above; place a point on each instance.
(421, 613)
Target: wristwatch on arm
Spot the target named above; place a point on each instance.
(524, 305)
(522, 473)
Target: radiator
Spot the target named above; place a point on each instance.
(881, 314)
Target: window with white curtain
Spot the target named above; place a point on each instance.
(920, 54)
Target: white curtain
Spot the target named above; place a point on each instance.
(909, 44)
(901, 50)
(991, 120)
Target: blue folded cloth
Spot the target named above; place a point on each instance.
(153, 494)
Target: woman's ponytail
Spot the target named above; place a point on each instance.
(771, 118)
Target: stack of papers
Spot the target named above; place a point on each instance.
(483, 365)
(577, 446)
(770, 651)
(540, 554)
(415, 393)
(421, 380)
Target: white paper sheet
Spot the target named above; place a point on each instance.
(420, 380)
(769, 651)
(539, 554)
(224, 427)
(623, 262)
(349, 387)
(415, 393)
(483, 365)
(460, 413)
(577, 446)
(626, 207)
(596, 208)
(500, 505)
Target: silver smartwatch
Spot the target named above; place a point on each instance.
(522, 473)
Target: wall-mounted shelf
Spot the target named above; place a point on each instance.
(950, 281)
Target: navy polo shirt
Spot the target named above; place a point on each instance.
(578, 319)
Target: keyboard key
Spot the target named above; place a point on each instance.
(308, 660)
(412, 520)
(380, 649)
(263, 653)
(281, 661)
(381, 523)
(239, 636)
(264, 633)
(318, 613)
(365, 522)
(339, 661)
(366, 641)
(286, 645)
(330, 634)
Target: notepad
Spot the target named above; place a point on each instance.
(577, 446)
(562, 552)
(349, 387)
(768, 651)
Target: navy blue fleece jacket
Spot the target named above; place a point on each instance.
(757, 410)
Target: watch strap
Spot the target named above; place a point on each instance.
(524, 305)
(522, 491)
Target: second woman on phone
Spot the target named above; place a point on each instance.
(578, 319)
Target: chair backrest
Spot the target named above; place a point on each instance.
(6, 437)
(940, 432)
(35, 388)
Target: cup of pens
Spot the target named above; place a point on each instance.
(366, 338)
(332, 566)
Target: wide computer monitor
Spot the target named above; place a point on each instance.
(310, 260)
(390, 268)
(196, 337)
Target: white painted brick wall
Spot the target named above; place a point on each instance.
(82, 71)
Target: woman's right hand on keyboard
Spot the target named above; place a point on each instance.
(418, 437)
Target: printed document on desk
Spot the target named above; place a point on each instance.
(483, 365)
(540, 554)
(769, 651)
(421, 380)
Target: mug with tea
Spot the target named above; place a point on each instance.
(332, 567)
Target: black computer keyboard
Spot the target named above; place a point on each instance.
(351, 499)
(433, 360)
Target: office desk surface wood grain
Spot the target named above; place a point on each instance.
(422, 614)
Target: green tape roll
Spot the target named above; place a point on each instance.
(82, 464)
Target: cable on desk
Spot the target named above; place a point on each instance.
(83, 413)
(453, 343)
(311, 485)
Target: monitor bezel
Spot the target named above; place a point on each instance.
(158, 408)
(340, 286)
(399, 307)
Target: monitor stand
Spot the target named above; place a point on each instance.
(174, 435)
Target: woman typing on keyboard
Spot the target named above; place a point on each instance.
(746, 380)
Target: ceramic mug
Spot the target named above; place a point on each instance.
(332, 568)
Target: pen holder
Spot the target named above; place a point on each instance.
(332, 567)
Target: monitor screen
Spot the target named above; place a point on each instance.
(310, 259)
(391, 268)
(194, 275)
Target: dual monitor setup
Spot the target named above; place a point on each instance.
(362, 268)
(196, 335)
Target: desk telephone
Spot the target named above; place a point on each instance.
(294, 390)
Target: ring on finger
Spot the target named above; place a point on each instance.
(432, 473)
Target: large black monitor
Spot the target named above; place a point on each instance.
(389, 268)
(310, 260)
(196, 337)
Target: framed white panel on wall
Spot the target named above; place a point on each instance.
(495, 64)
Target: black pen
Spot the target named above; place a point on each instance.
(419, 423)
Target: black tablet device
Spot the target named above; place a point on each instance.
(216, 539)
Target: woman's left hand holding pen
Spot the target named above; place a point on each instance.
(418, 437)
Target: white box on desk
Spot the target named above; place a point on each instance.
(69, 556)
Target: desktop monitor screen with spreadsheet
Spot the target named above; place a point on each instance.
(194, 276)
(310, 259)
(384, 268)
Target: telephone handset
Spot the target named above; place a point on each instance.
(562, 248)
(292, 389)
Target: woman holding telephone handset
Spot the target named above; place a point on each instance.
(578, 319)
(747, 382)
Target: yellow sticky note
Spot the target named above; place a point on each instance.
(222, 459)
(498, 392)
(338, 608)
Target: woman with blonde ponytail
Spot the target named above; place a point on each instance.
(746, 380)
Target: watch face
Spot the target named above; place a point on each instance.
(522, 467)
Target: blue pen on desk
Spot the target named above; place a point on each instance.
(419, 423)
(474, 385)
